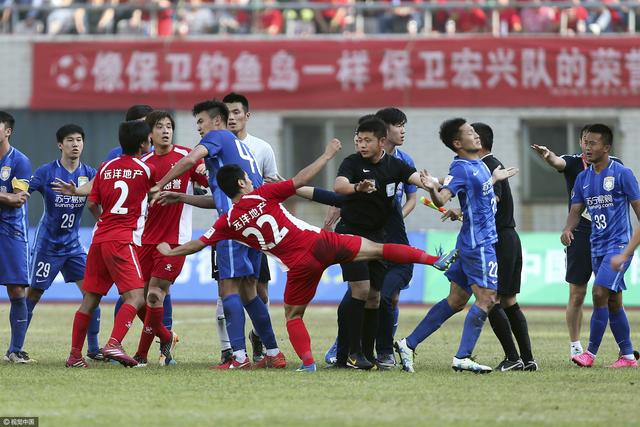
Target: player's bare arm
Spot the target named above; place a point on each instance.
(186, 163)
(70, 189)
(191, 247)
(344, 187)
(303, 177)
(410, 204)
(573, 219)
(95, 209)
(439, 196)
(618, 261)
(204, 201)
(14, 200)
(556, 162)
(500, 173)
(453, 214)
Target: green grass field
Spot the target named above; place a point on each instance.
(191, 395)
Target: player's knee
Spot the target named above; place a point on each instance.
(16, 291)
(154, 296)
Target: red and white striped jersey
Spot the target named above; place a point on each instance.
(171, 223)
(121, 188)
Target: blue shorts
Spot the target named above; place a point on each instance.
(46, 266)
(477, 266)
(14, 262)
(236, 260)
(606, 276)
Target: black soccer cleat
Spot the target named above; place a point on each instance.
(358, 361)
(510, 365)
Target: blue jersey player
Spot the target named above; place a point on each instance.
(135, 112)
(56, 247)
(605, 189)
(15, 171)
(475, 272)
(239, 266)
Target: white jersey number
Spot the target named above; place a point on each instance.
(601, 221)
(124, 192)
(43, 269)
(68, 220)
(278, 233)
(244, 153)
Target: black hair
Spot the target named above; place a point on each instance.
(132, 135)
(228, 177)
(365, 118)
(156, 115)
(138, 111)
(67, 130)
(213, 108)
(7, 119)
(604, 131)
(375, 126)
(584, 130)
(392, 116)
(450, 131)
(232, 97)
(486, 134)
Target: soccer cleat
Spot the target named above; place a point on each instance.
(575, 351)
(167, 349)
(233, 364)
(76, 362)
(531, 365)
(624, 363)
(468, 364)
(584, 360)
(385, 361)
(510, 365)
(331, 356)
(97, 355)
(15, 357)
(406, 355)
(256, 347)
(117, 353)
(277, 362)
(26, 358)
(445, 260)
(226, 355)
(142, 362)
(307, 368)
(337, 365)
(358, 361)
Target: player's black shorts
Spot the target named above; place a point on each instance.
(509, 255)
(579, 258)
(265, 273)
(373, 271)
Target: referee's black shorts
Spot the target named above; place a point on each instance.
(509, 255)
(265, 273)
(579, 258)
(373, 271)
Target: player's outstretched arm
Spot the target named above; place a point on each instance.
(204, 201)
(70, 189)
(183, 165)
(556, 162)
(303, 177)
(440, 197)
(573, 219)
(191, 247)
(500, 173)
(14, 200)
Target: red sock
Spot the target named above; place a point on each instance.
(404, 254)
(79, 332)
(146, 337)
(157, 313)
(300, 340)
(123, 321)
(142, 312)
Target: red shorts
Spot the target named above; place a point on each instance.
(328, 248)
(112, 262)
(154, 264)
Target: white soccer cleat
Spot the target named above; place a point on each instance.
(468, 364)
(406, 355)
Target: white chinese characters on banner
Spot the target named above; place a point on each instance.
(632, 59)
(107, 72)
(466, 65)
(180, 72)
(571, 68)
(534, 69)
(248, 72)
(142, 71)
(396, 69)
(501, 67)
(434, 71)
(284, 75)
(353, 69)
(213, 71)
(605, 68)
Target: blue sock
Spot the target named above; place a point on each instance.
(261, 322)
(473, 324)
(116, 309)
(18, 319)
(396, 316)
(234, 315)
(167, 319)
(92, 333)
(30, 306)
(438, 314)
(619, 325)
(599, 319)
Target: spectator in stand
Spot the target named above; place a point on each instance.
(509, 18)
(28, 22)
(470, 20)
(608, 17)
(236, 21)
(101, 21)
(270, 20)
(400, 17)
(576, 18)
(195, 19)
(138, 20)
(332, 20)
(542, 19)
(65, 19)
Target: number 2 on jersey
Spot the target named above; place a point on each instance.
(278, 233)
(124, 192)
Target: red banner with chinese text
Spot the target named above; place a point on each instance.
(318, 74)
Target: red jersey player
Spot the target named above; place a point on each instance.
(121, 188)
(258, 220)
(168, 223)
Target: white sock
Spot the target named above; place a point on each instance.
(629, 356)
(240, 355)
(577, 345)
(271, 352)
(221, 324)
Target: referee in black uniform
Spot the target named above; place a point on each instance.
(370, 179)
(506, 316)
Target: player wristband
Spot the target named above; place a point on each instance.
(355, 187)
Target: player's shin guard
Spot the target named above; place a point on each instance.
(520, 330)
(404, 254)
(94, 329)
(502, 329)
(79, 333)
(261, 322)
(18, 320)
(599, 320)
(167, 318)
(30, 307)
(619, 324)
(234, 316)
(300, 340)
(369, 332)
(355, 311)
(473, 324)
(116, 309)
(221, 325)
(122, 323)
(438, 314)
